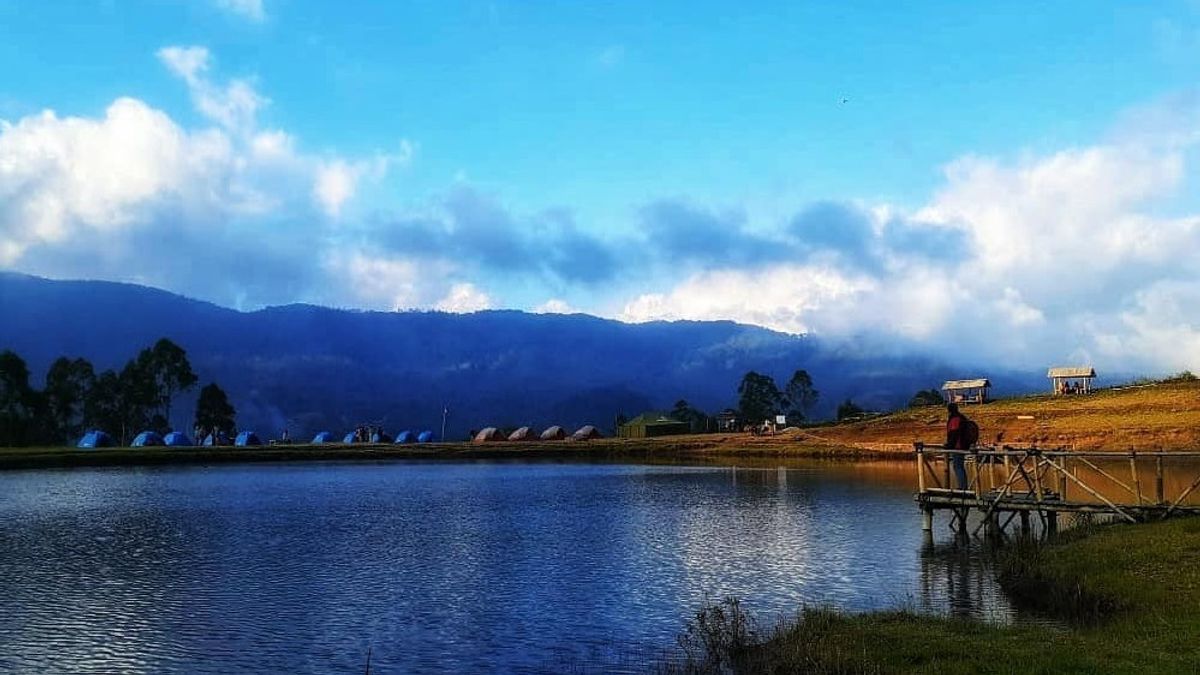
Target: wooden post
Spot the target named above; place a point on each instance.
(1158, 481)
(919, 448)
(1137, 483)
(1024, 522)
(1052, 522)
(927, 520)
(1062, 482)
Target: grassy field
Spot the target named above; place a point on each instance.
(1154, 416)
(1127, 599)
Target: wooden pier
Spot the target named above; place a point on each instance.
(1009, 483)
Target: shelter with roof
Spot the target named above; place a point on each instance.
(1071, 379)
(554, 433)
(967, 391)
(729, 420)
(651, 424)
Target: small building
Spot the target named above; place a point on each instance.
(729, 420)
(1071, 379)
(651, 424)
(967, 391)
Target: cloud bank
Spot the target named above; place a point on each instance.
(1085, 254)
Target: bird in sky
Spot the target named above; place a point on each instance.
(845, 100)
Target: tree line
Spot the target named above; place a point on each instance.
(123, 403)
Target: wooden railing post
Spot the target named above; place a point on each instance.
(1159, 498)
(919, 448)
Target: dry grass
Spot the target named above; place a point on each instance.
(1154, 416)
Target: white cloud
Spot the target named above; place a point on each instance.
(60, 175)
(233, 106)
(555, 306)
(464, 298)
(1066, 255)
(247, 9)
(102, 195)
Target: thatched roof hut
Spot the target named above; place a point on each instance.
(967, 391)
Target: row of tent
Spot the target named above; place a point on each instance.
(175, 439)
(178, 439)
(377, 437)
(554, 433)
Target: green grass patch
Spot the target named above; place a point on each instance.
(1128, 597)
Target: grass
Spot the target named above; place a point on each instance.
(1161, 415)
(1128, 600)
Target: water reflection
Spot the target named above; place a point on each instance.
(472, 567)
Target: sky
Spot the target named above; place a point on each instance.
(983, 181)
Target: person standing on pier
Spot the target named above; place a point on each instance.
(958, 437)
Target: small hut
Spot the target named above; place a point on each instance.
(555, 433)
(487, 435)
(586, 433)
(729, 420)
(522, 434)
(1072, 379)
(967, 391)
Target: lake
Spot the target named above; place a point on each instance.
(435, 567)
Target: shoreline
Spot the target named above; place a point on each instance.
(701, 447)
(1123, 597)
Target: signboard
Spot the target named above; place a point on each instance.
(781, 419)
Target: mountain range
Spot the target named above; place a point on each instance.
(309, 368)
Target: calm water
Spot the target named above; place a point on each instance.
(472, 567)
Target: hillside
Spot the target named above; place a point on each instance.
(311, 368)
(1150, 416)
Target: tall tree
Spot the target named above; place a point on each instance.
(214, 410)
(168, 372)
(684, 412)
(17, 401)
(800, 394)
(848, 409)
(759, 397)
(68, 385)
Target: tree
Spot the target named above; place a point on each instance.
(848, 409)
(926, 397)
(168, 372)
(697, 420)
(759, 397)
(800, 394)
(68, 386)
(17, 401)
(102, 407)
(213, 410)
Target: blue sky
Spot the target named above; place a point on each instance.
(633, 160)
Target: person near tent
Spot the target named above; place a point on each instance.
(958, 437)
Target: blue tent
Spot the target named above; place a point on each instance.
(380, 437)
(146, 439)
(247, 438)
(95, 439)
(406, 437)
(177, 439)
(425, 437)
(349, 438)
(322, 437)
(221, 439)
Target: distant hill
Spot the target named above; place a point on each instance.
(311, 368)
